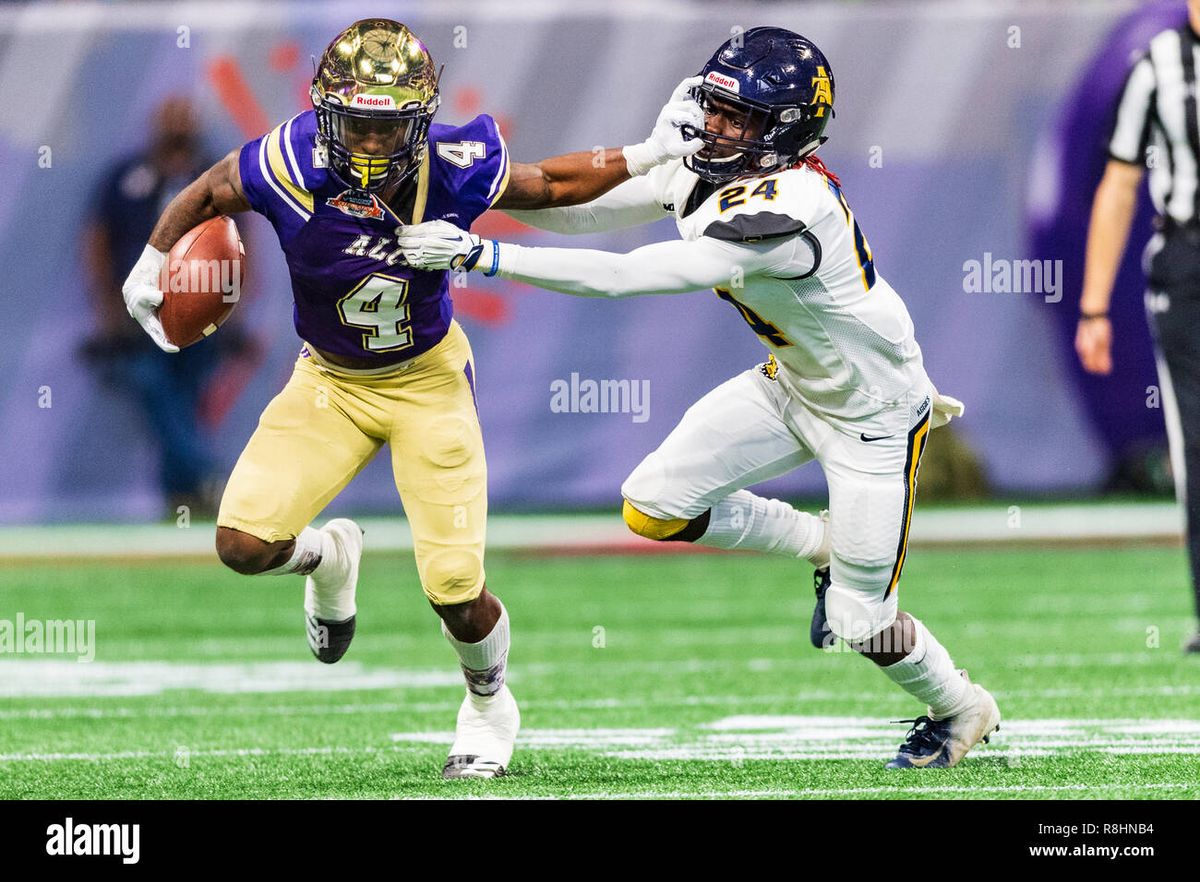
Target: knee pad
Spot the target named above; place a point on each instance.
(447, 444)
(664, 529)
(651, 527)
(855, 615)
(452, 576)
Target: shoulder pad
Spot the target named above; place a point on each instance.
(754, 227)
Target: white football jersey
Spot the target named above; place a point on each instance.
(841, 336)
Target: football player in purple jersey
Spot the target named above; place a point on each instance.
(383, 360)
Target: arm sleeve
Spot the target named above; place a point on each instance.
(629, 204)
(662, 268)
(1131, 125)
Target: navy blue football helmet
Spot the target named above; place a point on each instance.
(781, 84)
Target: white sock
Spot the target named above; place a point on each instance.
(743, 520)
(316, 555)
(928, 674)
(306, 555)
(483, 663)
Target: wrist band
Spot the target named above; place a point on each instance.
(1088, 316)
(495, 259)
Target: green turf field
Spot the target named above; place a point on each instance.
(673, 675)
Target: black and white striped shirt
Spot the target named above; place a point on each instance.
(1156, 123)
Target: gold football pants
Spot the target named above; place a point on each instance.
(326, 425)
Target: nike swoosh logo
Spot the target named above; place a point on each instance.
(875, 438)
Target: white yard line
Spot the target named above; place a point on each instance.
(747, 737)
(54, 678)
(39, 677)
(566, 704)
(1065, 522)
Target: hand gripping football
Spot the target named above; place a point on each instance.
(202, 281)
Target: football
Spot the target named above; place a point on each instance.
(202, 281)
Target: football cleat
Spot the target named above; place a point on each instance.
(1193, 645)
(329, 640)
(819, 632)
(940, 744)
(483, 739)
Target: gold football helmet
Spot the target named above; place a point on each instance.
(375, 92)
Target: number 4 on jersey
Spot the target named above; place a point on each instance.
(765, 329)
(866, 261)
(462, 153)
(379, 305)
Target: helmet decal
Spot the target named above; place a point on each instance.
(719, 79)
(822, 90)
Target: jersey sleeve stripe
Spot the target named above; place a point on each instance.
(1129, 124)
(500, 182)
(265, 171)
(282, 175)
(297, 175)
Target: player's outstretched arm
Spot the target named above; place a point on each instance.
(563, 180)
(574, 178)
(217, 191)
(626, 205)
(662, 268)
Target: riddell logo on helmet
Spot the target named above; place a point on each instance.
(386, 101)
(721, 80)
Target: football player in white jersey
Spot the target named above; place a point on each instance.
(766, 225)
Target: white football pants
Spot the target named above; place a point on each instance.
(749, 429)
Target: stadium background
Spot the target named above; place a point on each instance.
(949, 137)
(671, 674)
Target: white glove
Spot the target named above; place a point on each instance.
(945, 409)
(666, 141)
(143, 296)
(439, 245)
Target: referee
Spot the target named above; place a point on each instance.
(1156, 125)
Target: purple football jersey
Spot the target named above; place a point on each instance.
(353, 295)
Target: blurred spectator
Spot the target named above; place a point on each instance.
(167, 388)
